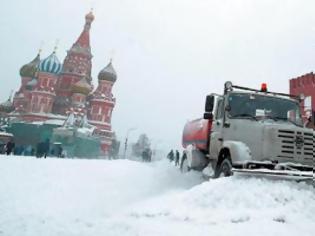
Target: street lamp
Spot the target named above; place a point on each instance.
(126, 140)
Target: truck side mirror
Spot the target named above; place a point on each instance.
(209, 104)
(208, 116)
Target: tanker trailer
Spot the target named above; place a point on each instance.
(195, 141)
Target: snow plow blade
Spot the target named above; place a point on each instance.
(276, 174)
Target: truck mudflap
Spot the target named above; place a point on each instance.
(276, 174)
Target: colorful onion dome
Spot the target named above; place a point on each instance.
(82, 86)
(30, 69)
(108, 73)
(51, 64)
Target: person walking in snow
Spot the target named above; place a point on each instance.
(46, 148)
(39, 150)
(170, 155)
(9, 147)
(59, 154)
(184, 157)
(177, 158)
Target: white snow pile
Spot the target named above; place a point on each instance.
(225, 206)
(98, 197)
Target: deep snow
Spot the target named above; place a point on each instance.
(99, 197)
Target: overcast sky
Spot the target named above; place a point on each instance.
(168, 54)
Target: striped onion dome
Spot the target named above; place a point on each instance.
(108, 73)
(51, 64)
(30, 69)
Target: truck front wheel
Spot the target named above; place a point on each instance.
(225, 168)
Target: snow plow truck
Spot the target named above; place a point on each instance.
(250, 132)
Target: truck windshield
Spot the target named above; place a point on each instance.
(256, 106)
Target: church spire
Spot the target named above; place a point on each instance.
(78, 63)
(84, 39)
(88, 20)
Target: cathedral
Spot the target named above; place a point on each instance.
(51, 90)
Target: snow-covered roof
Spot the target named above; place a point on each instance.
(54, 122)
(98, 122)
(6, 134)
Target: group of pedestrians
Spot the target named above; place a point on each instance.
(9, 147)
(176, 158)
(42, 149)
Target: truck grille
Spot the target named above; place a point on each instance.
(296, 145)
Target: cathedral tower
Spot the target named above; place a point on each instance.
(77, 65)
(80, 91)
(28, 73)
(102, 104)
(43, 94)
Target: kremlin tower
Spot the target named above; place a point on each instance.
(52, 91)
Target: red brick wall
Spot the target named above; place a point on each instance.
(304, 84)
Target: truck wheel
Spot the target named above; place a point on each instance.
(225, 168)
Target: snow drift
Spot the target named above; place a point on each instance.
(97, 197)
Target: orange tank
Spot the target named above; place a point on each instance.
(197, 133)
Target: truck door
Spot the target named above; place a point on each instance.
(216, 138)
(242, 125)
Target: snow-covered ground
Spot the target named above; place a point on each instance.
(98, 197)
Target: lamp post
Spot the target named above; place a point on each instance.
(126, 140)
